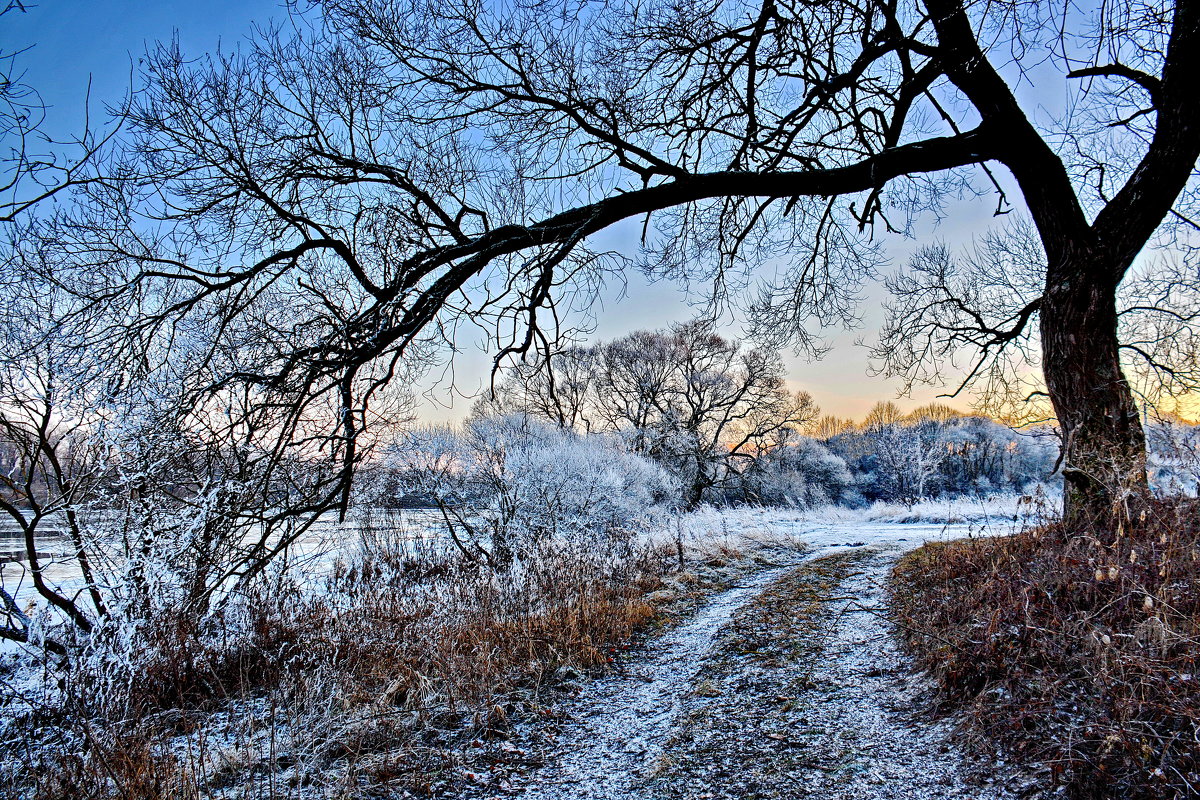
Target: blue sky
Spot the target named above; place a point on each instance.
(101, 40)
(72, 40)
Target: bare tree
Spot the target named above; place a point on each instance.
(33, 165)
(704, 407)
(54, 463)
(400, 168)
(560, 388)
(829, 426)
(883, 414)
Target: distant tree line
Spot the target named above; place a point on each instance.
(1174, 455)
(719, 418)
(936, 451)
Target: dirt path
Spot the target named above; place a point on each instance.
(786, 686)
(624, 721)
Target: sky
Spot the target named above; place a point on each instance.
(100, 41)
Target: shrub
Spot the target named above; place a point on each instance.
(323, 680)
(505, 484)
(1077, 652)
(802, 473)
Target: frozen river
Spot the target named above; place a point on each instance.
(313, 554)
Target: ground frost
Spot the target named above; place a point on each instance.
(627, 718)
(789, 685)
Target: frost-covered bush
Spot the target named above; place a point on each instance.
(983, 456)
(803, 473)
(504, 483)
(1174, 449)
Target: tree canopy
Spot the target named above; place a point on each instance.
(311, 212)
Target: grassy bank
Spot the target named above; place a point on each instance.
(1069, 650)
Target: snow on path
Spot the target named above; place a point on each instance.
(622, 724)
(863, 735)
(625, 719)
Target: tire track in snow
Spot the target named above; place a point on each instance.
(629, 717)
(614, 746)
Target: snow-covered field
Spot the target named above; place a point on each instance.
(312, 554)
(328, 538)
(631, 721)
(934, 520)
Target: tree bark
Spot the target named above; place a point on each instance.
(1104, 445)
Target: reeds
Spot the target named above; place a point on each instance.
(369, 676)
(1075, 649)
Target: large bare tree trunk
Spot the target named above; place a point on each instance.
(1104, 446)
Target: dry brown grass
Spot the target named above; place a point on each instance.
(348, 685)
(1075, 649)
(472, 635)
